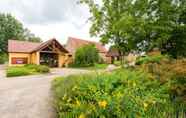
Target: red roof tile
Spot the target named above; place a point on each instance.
(113, 52)
(28, 47)
(21, 46)
(75, 43)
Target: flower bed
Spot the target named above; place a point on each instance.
(119, 94)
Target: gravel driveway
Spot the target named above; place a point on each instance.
(29, 97)
(2, 71)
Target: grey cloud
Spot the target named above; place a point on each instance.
(48, 11)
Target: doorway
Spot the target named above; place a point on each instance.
(49, 59)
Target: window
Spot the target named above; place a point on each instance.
(19, 60)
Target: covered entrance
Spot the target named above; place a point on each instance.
(52, 54)
(49, 59)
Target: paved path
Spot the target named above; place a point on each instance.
(2, 71)
(29, 97)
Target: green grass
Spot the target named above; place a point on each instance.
(95, 67)
(26, 70)
(117, 63)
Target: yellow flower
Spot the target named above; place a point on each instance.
(154, 102)
(78, 103)
(145, 105)
(82, 116)
(69, 100)
(74, 88)
(134, 84)
(102, 103)
(64, 97)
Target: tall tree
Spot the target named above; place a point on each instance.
(135, 24)
(11, 28)
(28, 36)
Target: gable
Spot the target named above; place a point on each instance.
(73, 44)
(51, 45)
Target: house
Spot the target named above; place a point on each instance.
(113, 54)
(50, 53)
(74, 43)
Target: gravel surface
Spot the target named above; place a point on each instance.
(2, 71)
(30, 96)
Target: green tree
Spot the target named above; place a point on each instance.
(176, 44)
(136, 24)
(11, 28)
(28, 36)
(86, 56)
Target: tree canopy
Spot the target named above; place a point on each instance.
(11, 28)
(86, 55)
(138, 24)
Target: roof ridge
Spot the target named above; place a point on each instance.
(73, 38)
(23, 41)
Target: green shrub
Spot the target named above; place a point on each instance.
(121, 94)
(173, 72)
(86, 56)
(17, 71)
(43, 69)
(31, 66)
(149, 59)
(28, 69)
(3, 58)
(38, 68)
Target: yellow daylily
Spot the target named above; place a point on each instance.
(134, 84)
(102, 104)
(82, 116)
(78, 103)
(154, 102)
(145, 106)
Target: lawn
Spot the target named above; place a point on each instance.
(26, 70)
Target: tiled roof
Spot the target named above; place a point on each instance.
(75, 43)
(113, 52)
(21, 46)
(28, 47)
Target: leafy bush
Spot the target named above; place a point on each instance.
(86, 56)
(149, 59)
(43, 69)
(38, 68)
(3, 58)
(28, 69)
(17, 71)
(173, 72)
(121, 94)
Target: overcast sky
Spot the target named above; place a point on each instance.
(50, 18)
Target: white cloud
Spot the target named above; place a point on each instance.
(50, 18)
(60, 31)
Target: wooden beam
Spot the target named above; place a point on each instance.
(48, 52)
